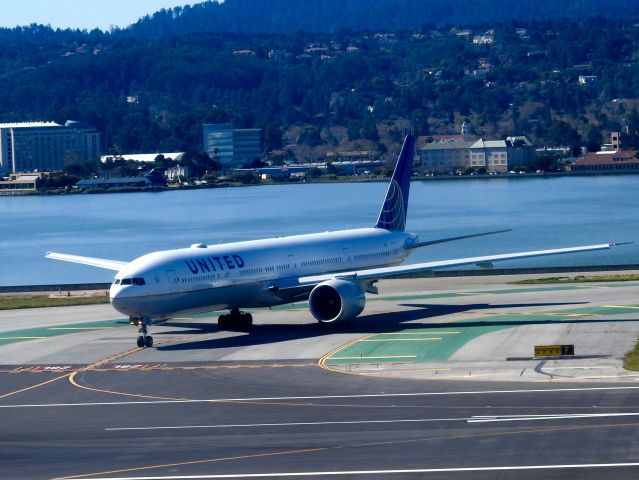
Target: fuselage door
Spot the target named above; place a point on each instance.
(346, 256)
(174, 281)
(292, 263)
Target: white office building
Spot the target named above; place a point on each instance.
(45, 146)
(492, 155)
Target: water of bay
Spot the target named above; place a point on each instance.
(542, 213)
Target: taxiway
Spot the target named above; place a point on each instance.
(376, 399)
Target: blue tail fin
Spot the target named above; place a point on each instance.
(395, 207)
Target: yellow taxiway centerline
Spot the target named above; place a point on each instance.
(419, 333)
(369, 358)
(15, 392)
(400, 339)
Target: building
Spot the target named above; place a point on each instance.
(611, 159)
(21, 183)
(587, 79)
(176, 172)
(232, 147)
(607, 162)
(492, 155)
(39, 146)
(445, 155)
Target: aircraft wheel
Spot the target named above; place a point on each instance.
(140, 341)
(148, 342)
(247, 320)
(223, 322)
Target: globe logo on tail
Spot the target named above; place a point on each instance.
(393, 214)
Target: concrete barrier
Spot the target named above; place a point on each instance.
(70, 287)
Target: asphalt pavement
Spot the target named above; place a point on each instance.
(294, 400)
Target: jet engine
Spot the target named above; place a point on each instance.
(336, 300)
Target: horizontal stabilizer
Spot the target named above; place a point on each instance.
(91, 261)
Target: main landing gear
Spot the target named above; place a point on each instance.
(235, 320)
(144, 339)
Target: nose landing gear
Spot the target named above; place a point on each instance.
(144, 340)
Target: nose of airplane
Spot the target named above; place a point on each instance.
(120, 300)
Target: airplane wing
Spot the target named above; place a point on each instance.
(387, 272)
(94, 262)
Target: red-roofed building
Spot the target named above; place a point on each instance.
(607, 161)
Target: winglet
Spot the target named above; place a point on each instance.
(393, 213)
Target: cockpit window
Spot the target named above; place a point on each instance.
(126, 281)
(133, 281)
(116, 281)
(138, 281)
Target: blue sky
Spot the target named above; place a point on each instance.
(81, 13)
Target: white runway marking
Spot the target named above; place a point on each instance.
(565, 416)
(380, 472)
(473, 419)
(292, 424)
(320, 397)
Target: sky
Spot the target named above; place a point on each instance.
(83, 14)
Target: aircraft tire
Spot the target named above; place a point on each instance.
(148, 341)
(247, 321)
(140, 341)
(223, 322)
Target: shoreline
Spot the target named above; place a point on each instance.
(349, 179)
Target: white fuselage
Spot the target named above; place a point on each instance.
(257, 273)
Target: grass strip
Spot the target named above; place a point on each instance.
(579, 279)
(631, 359)
(41, 301)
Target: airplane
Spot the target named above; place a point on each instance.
(332, 270)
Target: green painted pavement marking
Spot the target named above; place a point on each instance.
(390, 348)
(478, 292)
(377, 350)
(526, 290)
(421, 296)
(56, 330)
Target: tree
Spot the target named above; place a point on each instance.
(313, 172)
(244, 177)
(594, 139)
(272, 136)
(546, 163)
(561, 133)
(310, 136)
(331, 169)
(199, 163)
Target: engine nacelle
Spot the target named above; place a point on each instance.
(336, 300)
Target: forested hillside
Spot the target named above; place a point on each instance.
(347, 88)
(290, 16)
